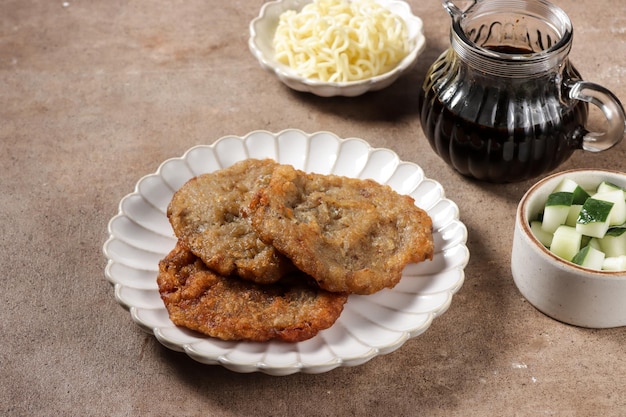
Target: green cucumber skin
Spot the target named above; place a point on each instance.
(589, 257)
(618, 211)
(561, 198)
(615, 231)
(579, 258)
(594, 211)
(580, 196)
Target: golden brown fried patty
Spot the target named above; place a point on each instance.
(208, 215)
(233, 309)
(351, 235)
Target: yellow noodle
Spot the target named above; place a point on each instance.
(341, 40)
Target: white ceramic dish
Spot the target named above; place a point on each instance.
(140, 235)
(561, 289)
(263, 27)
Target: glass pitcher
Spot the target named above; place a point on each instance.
(504, 103)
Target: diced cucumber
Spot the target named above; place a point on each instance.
(556, 210)
(566, 242)
(594, 242)
(594, 217)
(614, 242)
(572, 215)
(580, 196)
(584, 241)
(607, 186)
(585, 226)
(567, 185)
(589, 257)
(618, 212)
(594, 229)
(542, 236)
(570, 186)
(614, 263)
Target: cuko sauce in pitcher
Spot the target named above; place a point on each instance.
(504, 103)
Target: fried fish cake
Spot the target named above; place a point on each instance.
(230, 308)
(351, 235)
(208, 215)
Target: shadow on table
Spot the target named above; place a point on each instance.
(397, 102)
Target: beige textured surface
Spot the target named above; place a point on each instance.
(95, 94)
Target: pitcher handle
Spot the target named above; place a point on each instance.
(454, 10)
(612, 109)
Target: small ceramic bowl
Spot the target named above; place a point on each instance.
(262, 30)
(561, 289)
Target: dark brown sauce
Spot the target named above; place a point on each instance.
(501, 133)
(509, 50)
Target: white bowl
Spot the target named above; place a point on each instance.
(262, 30)
(561, 289)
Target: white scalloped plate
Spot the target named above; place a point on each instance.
(140, 235)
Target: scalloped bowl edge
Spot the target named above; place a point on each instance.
(260, 48)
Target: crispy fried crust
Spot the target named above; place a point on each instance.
(208, 215)
(233, 309)
(351, 235)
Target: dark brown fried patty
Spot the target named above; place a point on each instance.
(208, 216)
(229, 308)
(351, 235)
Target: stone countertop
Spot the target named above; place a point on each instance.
(96, 94)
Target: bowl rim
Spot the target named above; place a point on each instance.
(418, 44)
(524, 223)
